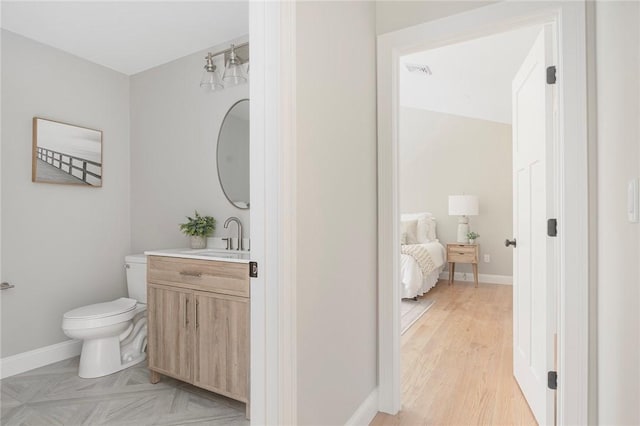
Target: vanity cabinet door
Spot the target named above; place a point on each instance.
(222, 344)
(171, 313)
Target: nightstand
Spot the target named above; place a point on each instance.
(462, 253)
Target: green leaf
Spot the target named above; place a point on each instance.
(201, 226)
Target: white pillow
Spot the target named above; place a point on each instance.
(403, 239)
(432, 235)
(422, 231)
(425, 228)
(410, 228)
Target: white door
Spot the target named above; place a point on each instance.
(533, 290)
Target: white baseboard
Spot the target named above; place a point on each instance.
(366, 411)
(483, 278)
(25, 361)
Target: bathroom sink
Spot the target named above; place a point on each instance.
(222, 255)
(205, 254)
(216, 252)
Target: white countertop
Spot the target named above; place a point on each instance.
(220, 255)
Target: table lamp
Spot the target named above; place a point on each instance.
(463, 206)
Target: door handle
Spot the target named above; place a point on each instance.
(508, 243)
(186, 312)
(197, 323)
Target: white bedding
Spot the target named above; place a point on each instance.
(413, 282)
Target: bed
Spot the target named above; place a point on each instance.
(422, 258)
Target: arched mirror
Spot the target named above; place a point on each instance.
(233, 154)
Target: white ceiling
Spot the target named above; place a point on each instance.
(128, 36)
(469, 79)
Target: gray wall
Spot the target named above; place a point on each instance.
(62, 246)
(444, 154)
(336, 209)
(174, 131)
(618, 161)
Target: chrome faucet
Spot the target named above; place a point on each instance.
(237, 221)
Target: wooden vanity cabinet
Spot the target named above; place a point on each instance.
(222, 344)
(169, 335)
(198, 323)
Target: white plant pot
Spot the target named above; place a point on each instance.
(472, 241)
(198, 242)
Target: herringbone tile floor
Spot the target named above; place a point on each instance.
(55, 395)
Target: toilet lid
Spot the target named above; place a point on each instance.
(102, 310)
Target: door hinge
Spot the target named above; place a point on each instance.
(552, 227)
(253, 269)
(552, 380)
(551, 75)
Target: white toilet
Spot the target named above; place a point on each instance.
(114, 333)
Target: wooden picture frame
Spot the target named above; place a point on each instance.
(66, 154)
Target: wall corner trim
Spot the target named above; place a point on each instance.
(25, 361)
(366, 411)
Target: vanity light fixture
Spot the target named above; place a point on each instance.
(234, 73)
(210, 80)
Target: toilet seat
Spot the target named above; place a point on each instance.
(101, 310)
(100, 314)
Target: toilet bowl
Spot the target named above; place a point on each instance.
(114, 333)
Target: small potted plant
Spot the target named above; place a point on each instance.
(472, 236)
(198, 228)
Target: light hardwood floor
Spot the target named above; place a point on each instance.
(457, 366)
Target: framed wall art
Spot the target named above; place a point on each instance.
(66, 154)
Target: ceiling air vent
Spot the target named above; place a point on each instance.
(423, 69)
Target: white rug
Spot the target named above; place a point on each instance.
(412, 310)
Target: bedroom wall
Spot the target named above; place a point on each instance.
(174, 128)
(443, 154)
(336, 210)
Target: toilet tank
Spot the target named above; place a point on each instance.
(136, 267)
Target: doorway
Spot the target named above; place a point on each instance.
(458, 134)
(572, 199)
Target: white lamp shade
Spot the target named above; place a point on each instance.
(463, 205)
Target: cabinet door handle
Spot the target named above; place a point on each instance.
(191, 273)
(186, 312)
(197, 323)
